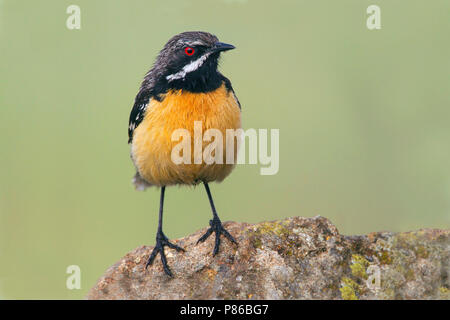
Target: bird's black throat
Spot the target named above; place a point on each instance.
(205, 79)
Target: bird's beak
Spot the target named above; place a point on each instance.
(220, 46)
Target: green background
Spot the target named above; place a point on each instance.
(363, 117)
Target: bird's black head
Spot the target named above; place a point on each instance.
(188, 61)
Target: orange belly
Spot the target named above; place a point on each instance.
(152, 143)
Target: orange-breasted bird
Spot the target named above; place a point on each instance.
(183, 86)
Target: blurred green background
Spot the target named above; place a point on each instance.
(363, 116)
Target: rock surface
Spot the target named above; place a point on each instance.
(296, 258)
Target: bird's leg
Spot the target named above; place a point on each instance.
(162, 241)
(215, 226)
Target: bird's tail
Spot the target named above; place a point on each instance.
(139, 183)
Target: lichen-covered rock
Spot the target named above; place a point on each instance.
(296, 258)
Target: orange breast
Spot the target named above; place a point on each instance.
(152, 144)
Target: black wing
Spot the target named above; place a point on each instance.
(137, 114)
(230, 88)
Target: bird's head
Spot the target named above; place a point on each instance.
(189, 61)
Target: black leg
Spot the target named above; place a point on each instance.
(162, 240)
(215, 225)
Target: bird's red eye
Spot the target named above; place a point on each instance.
(189, 51)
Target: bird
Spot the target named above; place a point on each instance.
(182, 87)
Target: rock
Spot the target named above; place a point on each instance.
(295, 258)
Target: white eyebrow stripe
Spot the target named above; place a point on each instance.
(192, 66)
(196, 43)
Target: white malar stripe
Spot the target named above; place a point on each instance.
(192, 66)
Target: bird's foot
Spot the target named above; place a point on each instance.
(161, 242)
(216, 227)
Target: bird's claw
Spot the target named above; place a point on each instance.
(216, 227)
(161, 242)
